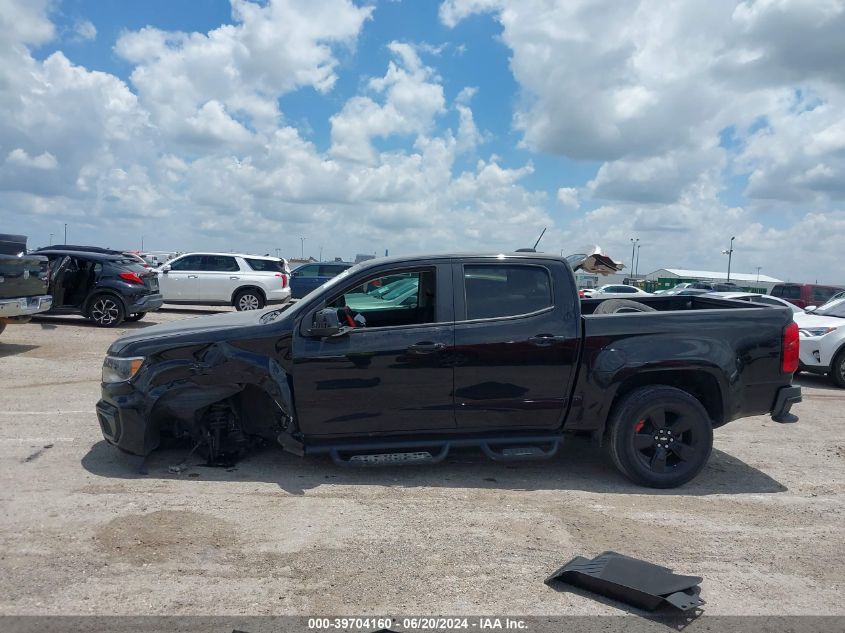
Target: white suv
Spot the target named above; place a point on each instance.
(248, 282)
(822, 346)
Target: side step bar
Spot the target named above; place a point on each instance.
(418, 452)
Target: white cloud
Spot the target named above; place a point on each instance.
(412, 98)
(568, 197)
(196, 141)
(649, 88)
(85, 30)
(20, 157)
(241, 68)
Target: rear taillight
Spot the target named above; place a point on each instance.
(284, 279)
(790, 348)
(132, 278)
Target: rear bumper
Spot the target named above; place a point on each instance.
(278, 296)
(147, 303)
(25, 306)
(785, 398)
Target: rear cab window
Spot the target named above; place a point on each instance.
(504, 290)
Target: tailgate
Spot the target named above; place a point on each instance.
(24, 276)
(151, 281)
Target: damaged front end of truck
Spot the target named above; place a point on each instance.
(222, 398)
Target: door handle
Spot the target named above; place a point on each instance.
(545, 340)
(234, 277)
(426, 347)
(193, 276)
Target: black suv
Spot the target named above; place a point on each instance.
(103, 285)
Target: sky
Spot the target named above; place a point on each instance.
(419, 126)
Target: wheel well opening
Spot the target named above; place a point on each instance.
(103, 292)
(699, 384)
(254, 288)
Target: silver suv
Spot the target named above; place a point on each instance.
(248, 282)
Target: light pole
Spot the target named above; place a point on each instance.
(65, 232)
(633, 246)
(142, 243)
(302, 248)
(758, 274)
(729, 253)
(637, 265)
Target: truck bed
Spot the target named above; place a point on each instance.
(674, 303)
(730, 347)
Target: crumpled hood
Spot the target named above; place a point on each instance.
(192, 325)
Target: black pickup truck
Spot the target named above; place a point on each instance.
(23, 282)
(402, 360)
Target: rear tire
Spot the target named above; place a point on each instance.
(249, 299)
(660, 436)
(135, 317)
(106, 310)
(614, 306)
(837, 369)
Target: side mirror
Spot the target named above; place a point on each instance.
(811, 308)
(326, 324)
(165, 269)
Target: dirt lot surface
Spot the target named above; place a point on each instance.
(82, 532)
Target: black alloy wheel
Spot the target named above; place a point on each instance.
(660, 436)
(106, 311)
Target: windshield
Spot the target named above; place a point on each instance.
(832, 309)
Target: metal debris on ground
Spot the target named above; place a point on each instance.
(630, 580)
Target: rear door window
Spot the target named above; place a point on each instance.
(502, 290)
(220, 263)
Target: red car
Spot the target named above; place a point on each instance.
(804, 295)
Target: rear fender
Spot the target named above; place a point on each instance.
(627, 363)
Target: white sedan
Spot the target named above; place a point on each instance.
(619, 291)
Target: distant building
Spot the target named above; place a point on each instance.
(363, 257)
(665, 278)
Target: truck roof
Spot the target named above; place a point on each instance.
(591, 263)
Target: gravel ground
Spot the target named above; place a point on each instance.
(82, 532)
